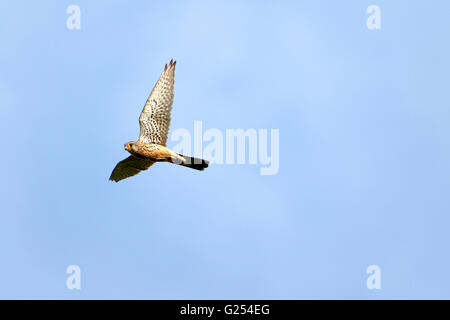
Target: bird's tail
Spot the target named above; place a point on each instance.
(191, 162)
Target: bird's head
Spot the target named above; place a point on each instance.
(130, 146)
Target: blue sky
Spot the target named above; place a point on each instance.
(364, 120)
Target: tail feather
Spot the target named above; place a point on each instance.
(191, 162)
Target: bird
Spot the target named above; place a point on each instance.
(154, 123)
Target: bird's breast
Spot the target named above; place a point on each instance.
(155, 152)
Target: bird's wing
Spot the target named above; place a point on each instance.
(155, 117)
(129, 167)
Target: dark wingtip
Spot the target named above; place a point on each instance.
(172, 64)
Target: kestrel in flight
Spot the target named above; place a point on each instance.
(154, 124)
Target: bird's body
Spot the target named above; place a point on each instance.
(151, 151)
(154, 128)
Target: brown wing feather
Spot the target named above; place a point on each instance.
(155, 117)
(129, 167)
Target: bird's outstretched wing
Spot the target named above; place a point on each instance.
(155, 117)
(129, 167)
